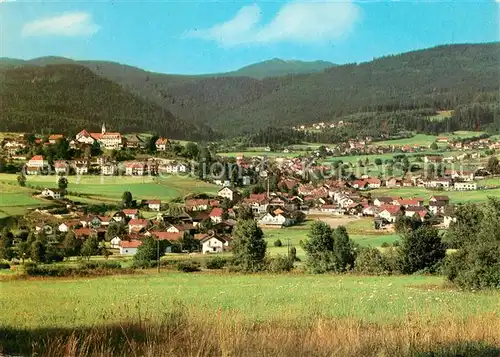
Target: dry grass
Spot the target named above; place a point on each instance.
(184, 333)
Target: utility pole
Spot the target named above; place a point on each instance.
(158, 255)
(288, 247)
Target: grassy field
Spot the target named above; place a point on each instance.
(261, 153)
(455, 196)
(111, 188)
(222, 314)
(111, 299)
(15, 200)
(360, 230)
(426, 140)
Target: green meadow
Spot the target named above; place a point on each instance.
(86, 302)
(15, 200)
(360, 231)
(455, 196)
(261, 153)
(112, 188)
(426, 140)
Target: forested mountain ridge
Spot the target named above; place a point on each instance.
(67, 98)
(277, 67)
(438, 78)
(443, 77)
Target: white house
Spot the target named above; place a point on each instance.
(275, 220)
(389, 213)
(213, 244)
(228, 193)
(38, 161)
(437, 183)
(81, 169)
(55, 193)
(135, 169)
(173, 168)
(154, 205)
(109, 169)
(115, 242)
(61, 167)
(129, 247)
(162, 144)
(131, 213)
(465, 186)
(137, 225)
(84, 137)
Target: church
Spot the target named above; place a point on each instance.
(107, 140)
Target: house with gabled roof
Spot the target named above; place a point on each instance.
(229, 193)
(129, 247)
(421, 212)
(154, 205)
(131, 213)
(61, 167)
(137, 225)
(54, 193)
(54, 138)
(389, 212)
(162, 144)
(213, 244)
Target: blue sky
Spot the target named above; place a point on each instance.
(211, 36)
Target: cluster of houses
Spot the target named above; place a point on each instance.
(105, 139)
(114, 140)
(162, 227)
(211, 220)
(106, 166)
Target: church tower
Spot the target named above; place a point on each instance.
(103, 130)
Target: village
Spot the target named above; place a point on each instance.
(277, 192)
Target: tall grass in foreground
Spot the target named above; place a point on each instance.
(185, 333)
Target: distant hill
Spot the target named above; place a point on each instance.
(277, 67)
(441, 77)
(271, 68)
(67, 98)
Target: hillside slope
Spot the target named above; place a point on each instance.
(277, 67)
(442, 77)
(437, 78)
(66, 98)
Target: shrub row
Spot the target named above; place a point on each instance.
(84, 269)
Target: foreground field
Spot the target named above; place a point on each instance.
(256, 297)
(174, 314)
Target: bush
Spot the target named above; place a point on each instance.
(143, 264)
(277, 243)
(216, 263)
(188, 266)
(385, 245)
(372, 261)
(279, 264)
(4, 266)
(101, 265)
(88, 269)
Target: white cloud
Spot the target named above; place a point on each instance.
(68, 24)
(304, 22)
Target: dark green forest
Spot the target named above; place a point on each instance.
(386, 95)
(67, 98)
